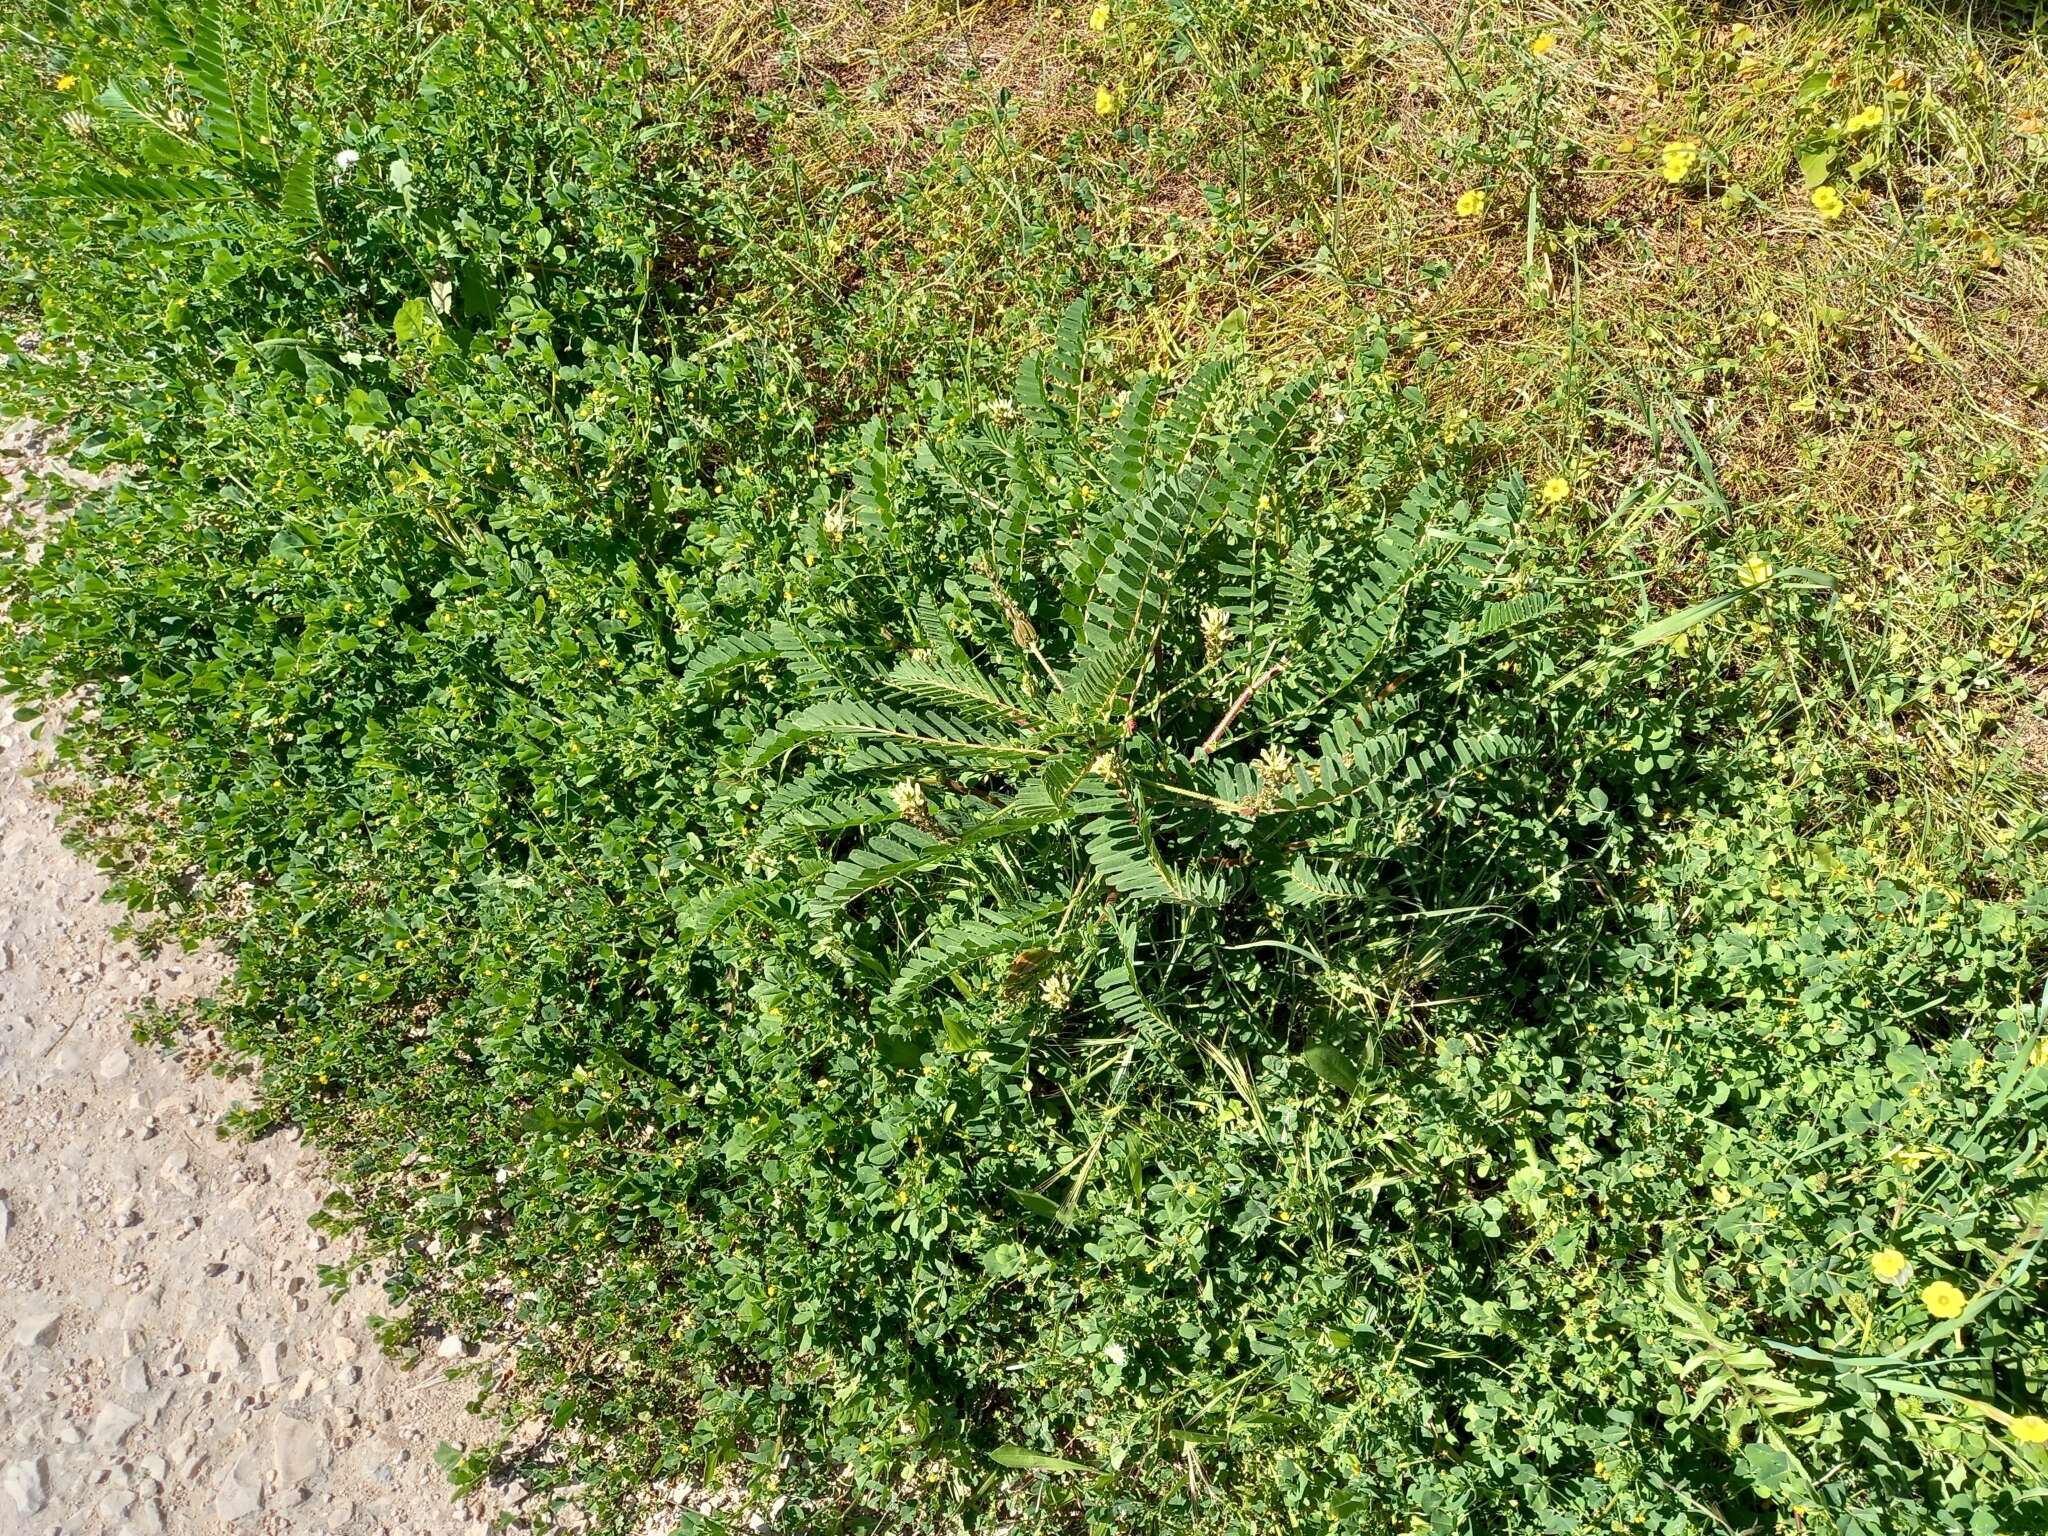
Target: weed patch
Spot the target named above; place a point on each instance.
(1154, 768)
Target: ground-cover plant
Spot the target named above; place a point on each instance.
(1091, 952)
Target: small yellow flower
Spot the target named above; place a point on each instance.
(2038, 1057)
(1827, 202)
(1471, 203)
(1105, 101)
(65, 82)
(1943, 1300)
(1890, 1265)
(2030, 1429)
(1542, 43)
(1098, 19)
(1680, 156)
(1754, 571)
(1557, 489)
(1864, 121)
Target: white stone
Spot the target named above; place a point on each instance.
(224, 1354)
(268, 1362)
(28, 1484)
(240, 1493)
(176, 1172)
(115, 1064)
(112, 1423)
(299, 1448)
(37, 1329)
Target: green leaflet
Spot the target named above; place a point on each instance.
(956, 684)
(161, 190)
(951, 949)
(1122, 851)
(909, 727)
(206, 72)
(905, 850)
(300, 202)
(1033, 1461)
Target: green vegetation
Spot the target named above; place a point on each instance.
(1191, 767)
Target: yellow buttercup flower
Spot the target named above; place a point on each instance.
(2038, 1057)
(1556, 489)
(1890, 1265)
(1680, 156)
(1542, 43)
(1864, 121)
(1471, 203)
(1943, 1300)
(2030, 1429)
(1105, 101)
(1754, 571)
(65, 82)
(1828, 203)
(1098, 19)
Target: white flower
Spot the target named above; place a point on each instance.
(345, 160)
(1115, 1353)
(1057, 990)
(1215, 633)
(1275, 766)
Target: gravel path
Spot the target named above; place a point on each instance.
(167, 1359)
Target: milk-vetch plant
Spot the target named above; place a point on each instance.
(1161, 719)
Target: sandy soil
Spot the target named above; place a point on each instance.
(168, 1361)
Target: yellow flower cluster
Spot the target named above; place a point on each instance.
(1542, 43)
(1864, 121)
(1828, 203)
(1471, 203)
(1680, 156)
(1098, 19)
(1105, 101)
